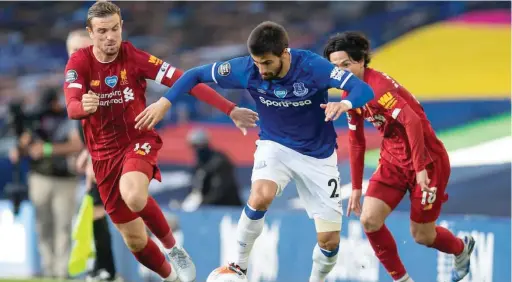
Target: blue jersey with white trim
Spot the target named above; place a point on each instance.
(289, 108)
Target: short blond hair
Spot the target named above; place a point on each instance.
(102, 9)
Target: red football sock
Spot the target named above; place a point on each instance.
(386, 251)
(446, 242)
(152, 258)
(156, 222)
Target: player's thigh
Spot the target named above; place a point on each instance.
(108, 173)
(134, 234)
(139, 167)
(318, 186)
(386, 189)
(269, 174)
(426, 207)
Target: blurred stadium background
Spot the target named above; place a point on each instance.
(454, 56)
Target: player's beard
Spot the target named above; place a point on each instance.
(274, 75)
(111, 50)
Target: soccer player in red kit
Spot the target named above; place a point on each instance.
(412, 159)
(105, 87)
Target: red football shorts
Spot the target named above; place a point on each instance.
(141, 156)
(389, 183)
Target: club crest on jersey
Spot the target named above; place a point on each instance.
(299, 89)
(224, 69)
(124, 77)
(111, 81)
(71, 76)
(280, 93)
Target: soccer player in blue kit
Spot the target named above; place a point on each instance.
(297, 136)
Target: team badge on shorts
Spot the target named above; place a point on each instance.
(299, 89)
(111, 81)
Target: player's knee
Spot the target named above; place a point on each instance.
(135, 241)
(134, 193)
(423, 236)
(371, 223)
(329, 241)
(263, 193)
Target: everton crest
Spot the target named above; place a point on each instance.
(299, 89)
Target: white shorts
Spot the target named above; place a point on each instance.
(317, 180)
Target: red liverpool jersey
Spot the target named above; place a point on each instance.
(408, 138)
(121, 86)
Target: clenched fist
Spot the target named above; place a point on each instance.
(90, 102)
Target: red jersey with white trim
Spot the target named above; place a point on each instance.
(121, 86)
(408, 138)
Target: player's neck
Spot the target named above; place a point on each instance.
(102, 57)
(361, 75)
(287, 62)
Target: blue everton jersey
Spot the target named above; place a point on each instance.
(289, 108)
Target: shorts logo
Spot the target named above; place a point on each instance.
(260, 165)
(71, 76)
(299, 89)
(224, 69)
(143, 149)
(111, 81)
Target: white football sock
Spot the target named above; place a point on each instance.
(323, 262)
(249, 228)
(405, 278)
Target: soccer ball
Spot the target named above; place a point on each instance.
(225, 274)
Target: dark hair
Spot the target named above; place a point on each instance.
(102, 9)
(354, 43)
(267, 37)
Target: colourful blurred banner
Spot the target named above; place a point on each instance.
(464, 58)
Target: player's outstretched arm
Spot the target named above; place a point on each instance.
(357, 148)
(191, 78)
(331, 76)
(243, 118)
(414, 130)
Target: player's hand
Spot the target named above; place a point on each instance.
(90, 102)
(354, 202)
(423, 180)
(244, 118)
(333, 110)
(153, 114)
(89, 171)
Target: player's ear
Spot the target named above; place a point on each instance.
(121, 26)
(89, 30)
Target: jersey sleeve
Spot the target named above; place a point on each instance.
(397, 107)
(151, 67)
(357, 147)
(232, 74)
(331, 76)
(161, 72)
(75, 85)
